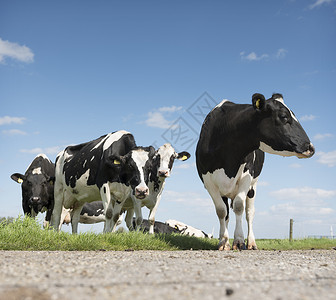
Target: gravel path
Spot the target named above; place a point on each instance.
(168, 275)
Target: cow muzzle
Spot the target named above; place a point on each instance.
(309, 153)
(35, 200)
(164, 173)
(141, 192)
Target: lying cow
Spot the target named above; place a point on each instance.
(229, 156)
(185, 229)
(37, 186)
(162, 165)
(109, 168)
(91, 213)
(159, 227)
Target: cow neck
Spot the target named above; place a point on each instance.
(233, 137)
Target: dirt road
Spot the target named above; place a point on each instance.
(168, 275)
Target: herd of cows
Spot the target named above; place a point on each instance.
(104, 178)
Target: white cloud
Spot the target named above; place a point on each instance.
(323, 136)
(157, 117)
(11, 120)
(327, 158)
(170, 108)
(304, 193)
(48, 150)
(15, 51)
(14, 132)
(253, 56)
(318, 3)
(281, 53)
(306, 118)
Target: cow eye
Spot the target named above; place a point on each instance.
(283, 118)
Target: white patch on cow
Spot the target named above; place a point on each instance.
(111, 138)
(227, 187)
(266, 148)
(166, 152)
(37, 171)
(140, 158)
(220, 104)
(43, 156)
(283, 103)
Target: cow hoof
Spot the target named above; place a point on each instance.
(238, 246)
(224, 246)
(252, 247)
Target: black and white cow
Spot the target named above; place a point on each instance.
(188, 230)
(37, 186)
(109, 168)
(92, 212)
(159, 227)
(162, 165)
(229, 156)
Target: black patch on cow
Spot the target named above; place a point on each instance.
(226, 202)
(251, 193)
(104, 190)
(94, 208)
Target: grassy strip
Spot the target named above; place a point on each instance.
(27, 234)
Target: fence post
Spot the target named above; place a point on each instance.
(291, 230)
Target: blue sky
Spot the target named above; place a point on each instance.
(71, 71)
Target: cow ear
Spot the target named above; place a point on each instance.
(259, 102)
(184, 155)
(19, 178)
(51, 180)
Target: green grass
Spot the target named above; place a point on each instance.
(25, 233)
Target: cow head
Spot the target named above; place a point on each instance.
(37, 188)
(134, 169)
(279, 130)
(164, 159)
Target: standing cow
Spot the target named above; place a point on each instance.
(162, 165)
(108, 168)
(229, 156)
(37, 187)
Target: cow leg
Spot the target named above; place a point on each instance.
(152, 214)
(108, 209)
(238, 208)
(58, 205)
(129, 219)
(75, 215)
(222, 212)
(116, 214)
(138, 212)
(251, 244)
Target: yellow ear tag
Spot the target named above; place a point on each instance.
(116, 162)
(184, 157)
(19, 180)
(258, 103)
